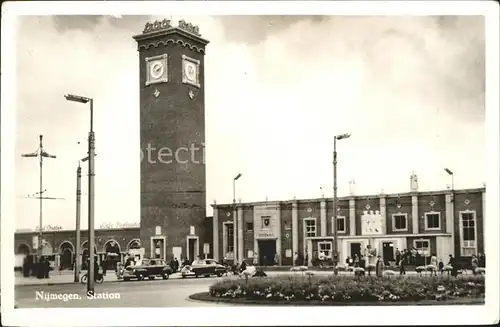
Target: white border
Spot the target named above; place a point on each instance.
(487, 314)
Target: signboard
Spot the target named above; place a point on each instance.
(206, 248)
(191, 230)
(46, 228)
(158, 230)
(266, 234)
(372, 223)
(119, 225)
(250, 254)
(288, 253)
(49, 228)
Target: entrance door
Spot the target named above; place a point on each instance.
(388, 252)
(355, 249)
(191, 249)
(267, 251)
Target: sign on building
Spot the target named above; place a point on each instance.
(372, 223)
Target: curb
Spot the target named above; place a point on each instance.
(204, 297)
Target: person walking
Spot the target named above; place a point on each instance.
(434, 262)
(398, 256)
(379, 267)
(402, 270)
(441, 266)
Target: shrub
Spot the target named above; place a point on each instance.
(350, 289)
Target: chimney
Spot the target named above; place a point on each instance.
(414, 182)
(352, 187)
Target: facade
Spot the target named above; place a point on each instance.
(60, 246)
(440, 223)
(172, 132)
(112, 244)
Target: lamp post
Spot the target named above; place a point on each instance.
(335, 242)
(235, 230)
(452, 179)
(40, 152)
(77, 229)
(91, 155)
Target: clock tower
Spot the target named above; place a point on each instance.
(172, 125)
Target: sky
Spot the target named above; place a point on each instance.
(410, 91)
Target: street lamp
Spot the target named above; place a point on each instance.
(91, 155)
(335, 243)
(40, 152)
(235, 229)
(452, 181)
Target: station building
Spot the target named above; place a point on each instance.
(439, 222)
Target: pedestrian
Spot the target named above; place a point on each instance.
(475, 263)
(398, 256)
(434, 263)
(176, 264)
(104, 266)
(276, 259)
(454, 266)
(402, 270)
(379, 267)
(46, 269)
(296, 259)
(356, 260)
(441, 266)
(243, 266)
(26, 270)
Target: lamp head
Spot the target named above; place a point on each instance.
(76, 98)
(343, 136)
(237, 177)
(448, 171)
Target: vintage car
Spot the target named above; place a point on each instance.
(147, 268)
(203, 267)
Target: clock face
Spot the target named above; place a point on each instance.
(190, 71)
(156, 69)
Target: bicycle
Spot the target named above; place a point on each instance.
(98, 279)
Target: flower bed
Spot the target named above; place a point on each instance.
(349, 289)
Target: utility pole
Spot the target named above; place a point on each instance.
(41, 153)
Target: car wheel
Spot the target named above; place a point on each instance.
(126, 279)
(166, 276)
(183, 276)
(140, 277)
(219, 274)
(151, 277)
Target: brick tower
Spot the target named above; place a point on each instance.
(172, 124)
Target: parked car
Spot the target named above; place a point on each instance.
(204, 267)
(148, 268)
